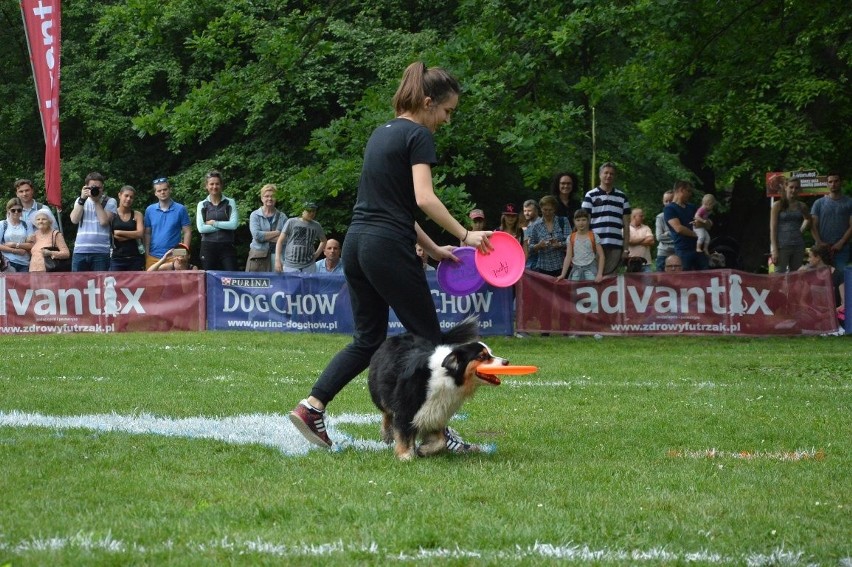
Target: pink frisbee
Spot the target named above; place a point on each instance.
(462, 277)
(504, 265)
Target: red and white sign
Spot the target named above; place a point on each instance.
(811, 183)
(102, 302)
(42, 20)
(722, 302)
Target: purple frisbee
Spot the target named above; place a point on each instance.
(462, 277)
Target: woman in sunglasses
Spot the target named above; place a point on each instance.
(13, 237)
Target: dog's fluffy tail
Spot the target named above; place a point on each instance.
(465, 332)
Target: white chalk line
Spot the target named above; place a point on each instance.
(812, 454)
(580, 382)
(704, 385)
(537, 550)
(270, 430)
(276, 431)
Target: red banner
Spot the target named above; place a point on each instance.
(723, 302)
(102, 302)
(42, 24)
(811, 183)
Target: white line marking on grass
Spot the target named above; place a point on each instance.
(797, 455)
(570, 552)
(586, 383)
(274, 431)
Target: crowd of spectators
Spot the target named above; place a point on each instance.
(113, 235)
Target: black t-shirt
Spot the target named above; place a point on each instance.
(386, 205)
(124, 248)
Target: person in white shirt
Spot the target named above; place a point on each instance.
(93, 212)
(641, 240)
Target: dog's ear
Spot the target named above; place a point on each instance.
(451, 362)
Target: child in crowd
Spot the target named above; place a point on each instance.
(174, 259)
(708, 203)
(509, 222)
(477, 219)
(820, 256)
(583, 251)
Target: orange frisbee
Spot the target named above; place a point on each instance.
(500, 369)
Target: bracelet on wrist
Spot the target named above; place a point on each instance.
(81, 201)
(464, 239)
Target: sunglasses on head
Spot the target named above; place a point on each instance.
(159, 180)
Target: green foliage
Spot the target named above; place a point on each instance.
(288, 92)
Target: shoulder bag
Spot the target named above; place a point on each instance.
(57, 265)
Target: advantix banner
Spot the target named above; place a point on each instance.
(101, 302)
(714, 302)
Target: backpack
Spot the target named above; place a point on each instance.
(6, 225)
(591, 237)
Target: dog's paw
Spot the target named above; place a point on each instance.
(406, 456)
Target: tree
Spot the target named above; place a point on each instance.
(288, 92)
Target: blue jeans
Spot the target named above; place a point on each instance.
(128, 264)
(692, 260)
(92, 262)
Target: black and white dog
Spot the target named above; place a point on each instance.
(418, 387)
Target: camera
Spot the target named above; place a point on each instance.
(179, 252)
(94, 190)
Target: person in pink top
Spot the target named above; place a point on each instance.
(45, 237)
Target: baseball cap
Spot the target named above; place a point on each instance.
(310, 205)
(477, 214)
(510, 209)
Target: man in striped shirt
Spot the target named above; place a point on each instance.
(610, 212)
(93, 212)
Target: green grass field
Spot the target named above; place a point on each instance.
(174, 449)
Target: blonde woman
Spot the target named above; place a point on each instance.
(265, 224)
(43, 239)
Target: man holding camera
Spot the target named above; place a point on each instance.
(93, 213)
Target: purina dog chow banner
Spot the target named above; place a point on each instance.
(713, 302)
(320, 304)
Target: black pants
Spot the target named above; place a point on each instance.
(218, 256)
(381, 273)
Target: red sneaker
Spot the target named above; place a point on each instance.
(311, 424)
